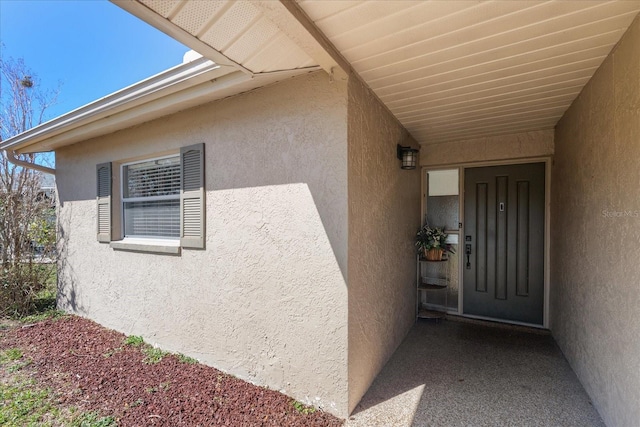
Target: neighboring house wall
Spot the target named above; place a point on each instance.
(505, 147)
(267, 300)
(384, 214)
(595, 272)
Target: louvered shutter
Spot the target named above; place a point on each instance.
(104, 201)
(192, 213)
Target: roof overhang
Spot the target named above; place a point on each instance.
(255, 36)
(176, 89)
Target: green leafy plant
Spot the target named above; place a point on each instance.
(428, 238)
(153, 355)
(93, 419)
(302, 408)
(45, 315)
(16, 367)
(11, 354)
(186, 359)
(134, 341)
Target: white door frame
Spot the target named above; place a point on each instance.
(547, 224)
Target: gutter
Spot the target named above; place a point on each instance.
(173, 80)
(13, 158)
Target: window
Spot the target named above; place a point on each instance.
(159, 199)
(151, 198)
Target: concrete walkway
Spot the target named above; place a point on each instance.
(464, 374)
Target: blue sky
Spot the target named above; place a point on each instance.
(92, 47)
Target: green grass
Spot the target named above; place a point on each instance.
(23, 403)
(302, 408)
(11, 354)
(134, 341)
(186, 359)
(42, 316)
(153, 355)
(93, 419)
(12, 359)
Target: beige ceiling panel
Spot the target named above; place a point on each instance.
(415, 20)
(447, 69)
(458, 133)
(500, 80)
(484, 107)
(424, 101)
(162, 7)
(231, 25)
(483, 124)
(472, 120)
(488, 35)
(360, 15)
(491, 87)
(494, 71)
(523, 40)
(197, 16)
(457, 28)
(488, 112)
(253, 40)
(321, 10)
(444, 138)
(470, 67)
(288, 56)
(269, 56)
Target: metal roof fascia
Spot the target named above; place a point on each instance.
(167, 82)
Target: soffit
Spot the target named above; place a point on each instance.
(452, 70)
(239, 31)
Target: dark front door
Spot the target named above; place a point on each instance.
(504, 234)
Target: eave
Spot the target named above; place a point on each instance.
(176, 89)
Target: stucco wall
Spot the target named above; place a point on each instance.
(267, 299)
(595, 273)
(504, 147)
(384, 214)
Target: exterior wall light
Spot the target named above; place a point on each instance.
(409, 157)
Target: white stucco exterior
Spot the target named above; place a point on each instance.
(267, 299)
(523, 145)
(595, 234)
(384, 214)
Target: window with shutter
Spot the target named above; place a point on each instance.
(103, 172)
(162, 202)
(192, 197)
(151, 198)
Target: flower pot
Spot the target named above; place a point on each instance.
(433, 254)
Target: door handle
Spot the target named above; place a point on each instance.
(467, 251)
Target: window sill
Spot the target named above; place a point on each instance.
(158, 246)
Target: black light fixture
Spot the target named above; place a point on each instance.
(409, 157)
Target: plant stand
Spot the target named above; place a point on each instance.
(431, 275)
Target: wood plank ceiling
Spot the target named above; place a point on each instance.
(448, 70)
(452, 70)
(237, 29)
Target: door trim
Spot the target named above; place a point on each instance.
(547, 224)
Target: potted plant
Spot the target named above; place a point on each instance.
(431, 242)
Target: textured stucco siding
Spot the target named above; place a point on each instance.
(504, 147)
(595, 273)
(267, 299)
(384, 214)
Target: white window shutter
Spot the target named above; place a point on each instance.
(104, 201)
(192, 212)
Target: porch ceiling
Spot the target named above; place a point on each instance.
(452, 70)
(448, 70)
(228, 32)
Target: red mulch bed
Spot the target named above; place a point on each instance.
(88, 366)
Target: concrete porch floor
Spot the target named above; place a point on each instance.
(456, 373)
